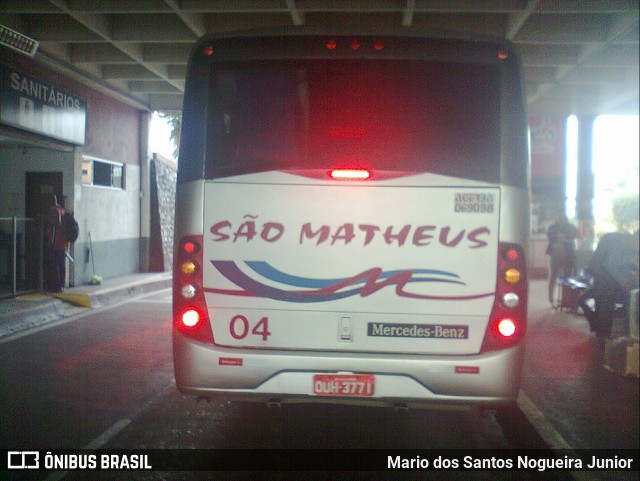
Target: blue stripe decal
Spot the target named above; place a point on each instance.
(269, 272)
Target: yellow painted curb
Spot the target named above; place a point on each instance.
(81, 300)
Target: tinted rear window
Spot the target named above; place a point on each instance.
(392, 115)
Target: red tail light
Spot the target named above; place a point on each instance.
(508, 321)
(190, 315)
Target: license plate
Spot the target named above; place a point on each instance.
(344, 385)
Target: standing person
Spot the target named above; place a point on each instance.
(561, 250)
(614, 267)
(55, 244)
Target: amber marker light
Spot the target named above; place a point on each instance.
(188, 267)
(512, 276)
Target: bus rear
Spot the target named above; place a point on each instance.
(351, 221)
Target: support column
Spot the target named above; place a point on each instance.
(585, 187)
(548, 139)
(145, 198)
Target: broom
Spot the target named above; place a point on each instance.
(95, 279)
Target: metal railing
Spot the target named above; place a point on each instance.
(634, 319)
(21, 255)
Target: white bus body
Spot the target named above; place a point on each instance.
(382, 286)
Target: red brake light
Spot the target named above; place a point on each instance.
(507, 327)
(208, 50)
(190, 317)
(350, 174)
(331, 44)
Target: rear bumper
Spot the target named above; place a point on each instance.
(489, 379)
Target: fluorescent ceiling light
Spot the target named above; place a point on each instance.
(15, 40)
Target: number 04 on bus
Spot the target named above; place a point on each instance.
(352, 220)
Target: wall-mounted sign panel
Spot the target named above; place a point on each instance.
(32, 104)
(547, 145)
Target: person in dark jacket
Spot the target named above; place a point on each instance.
(55, 244)
(614, 268)
(561, 250)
